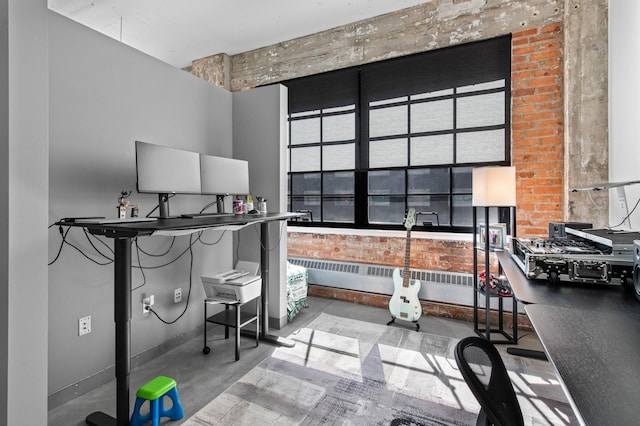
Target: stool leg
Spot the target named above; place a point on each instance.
(136, 418)
(176, 412)
(155, 412)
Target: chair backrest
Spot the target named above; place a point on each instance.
(484, 372)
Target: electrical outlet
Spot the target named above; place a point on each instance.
(177, 295)
(84, 325)
(147, 303)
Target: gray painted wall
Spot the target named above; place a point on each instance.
(4, 209)
(104, 96)
(260, 134)
(23, 217)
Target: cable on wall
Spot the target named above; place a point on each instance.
(282, 226)
(190, 249)
(627, 216)
(139, 266)
(64, 241)
(88, 236)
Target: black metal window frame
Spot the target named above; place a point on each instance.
(457, 199)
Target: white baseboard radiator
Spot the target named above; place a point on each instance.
(447, 287)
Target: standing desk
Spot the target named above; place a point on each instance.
(591, 335)
(122, 233)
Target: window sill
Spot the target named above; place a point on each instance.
(446, 236)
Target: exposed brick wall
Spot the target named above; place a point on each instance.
(443, 310)
(537, 127)
(426, 254)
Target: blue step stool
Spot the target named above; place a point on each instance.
(154, 392)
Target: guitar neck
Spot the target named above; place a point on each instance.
(406, 274)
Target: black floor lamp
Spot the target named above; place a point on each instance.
(491, 187)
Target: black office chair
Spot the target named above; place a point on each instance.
(483, 370)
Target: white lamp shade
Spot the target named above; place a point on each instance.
(494, 186)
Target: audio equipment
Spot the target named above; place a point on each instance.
(557, 229)
(592, 256)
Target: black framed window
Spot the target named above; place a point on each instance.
(369, 142)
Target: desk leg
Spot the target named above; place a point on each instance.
(527, 353)
(514, 308)
(264, 271)
(122, 317)
(264, 265)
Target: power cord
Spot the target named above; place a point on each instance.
(173, 240)
(86, 234)
(211, 244)
(144, 277)
(191, 243)
(139, 250)
(627, 216)
(282, 226)
(171, 261)
(63, 235)
(142, 268)
(65, 241)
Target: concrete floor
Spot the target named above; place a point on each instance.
(202, 377)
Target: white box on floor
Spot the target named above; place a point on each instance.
(241, 289)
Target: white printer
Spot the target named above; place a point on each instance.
(239, 289)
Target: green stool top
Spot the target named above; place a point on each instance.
(156, 388)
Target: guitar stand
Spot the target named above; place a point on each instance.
(393, 319)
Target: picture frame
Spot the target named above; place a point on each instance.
(497, 235)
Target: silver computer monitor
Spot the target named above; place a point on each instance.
(222, 176)
(164, 170)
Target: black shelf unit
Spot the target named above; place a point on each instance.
(487, 331)
(231, 318)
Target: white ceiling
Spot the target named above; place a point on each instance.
(179, 31)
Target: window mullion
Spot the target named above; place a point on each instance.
(454, 113)
(322, 194)
(361, 176)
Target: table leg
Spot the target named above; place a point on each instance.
(264, 265)
(122, 317)
(514, 307)
(237, 331)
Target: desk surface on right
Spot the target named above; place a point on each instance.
(596, 356)
(591, 335)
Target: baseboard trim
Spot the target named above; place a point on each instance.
(105, 376)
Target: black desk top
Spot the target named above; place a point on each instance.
(591, 335)
(133, 229)
(596, 355)
(594, 297)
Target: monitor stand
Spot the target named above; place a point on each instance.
(163, 205)
(220, 203)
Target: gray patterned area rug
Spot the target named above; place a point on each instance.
(349, 372)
